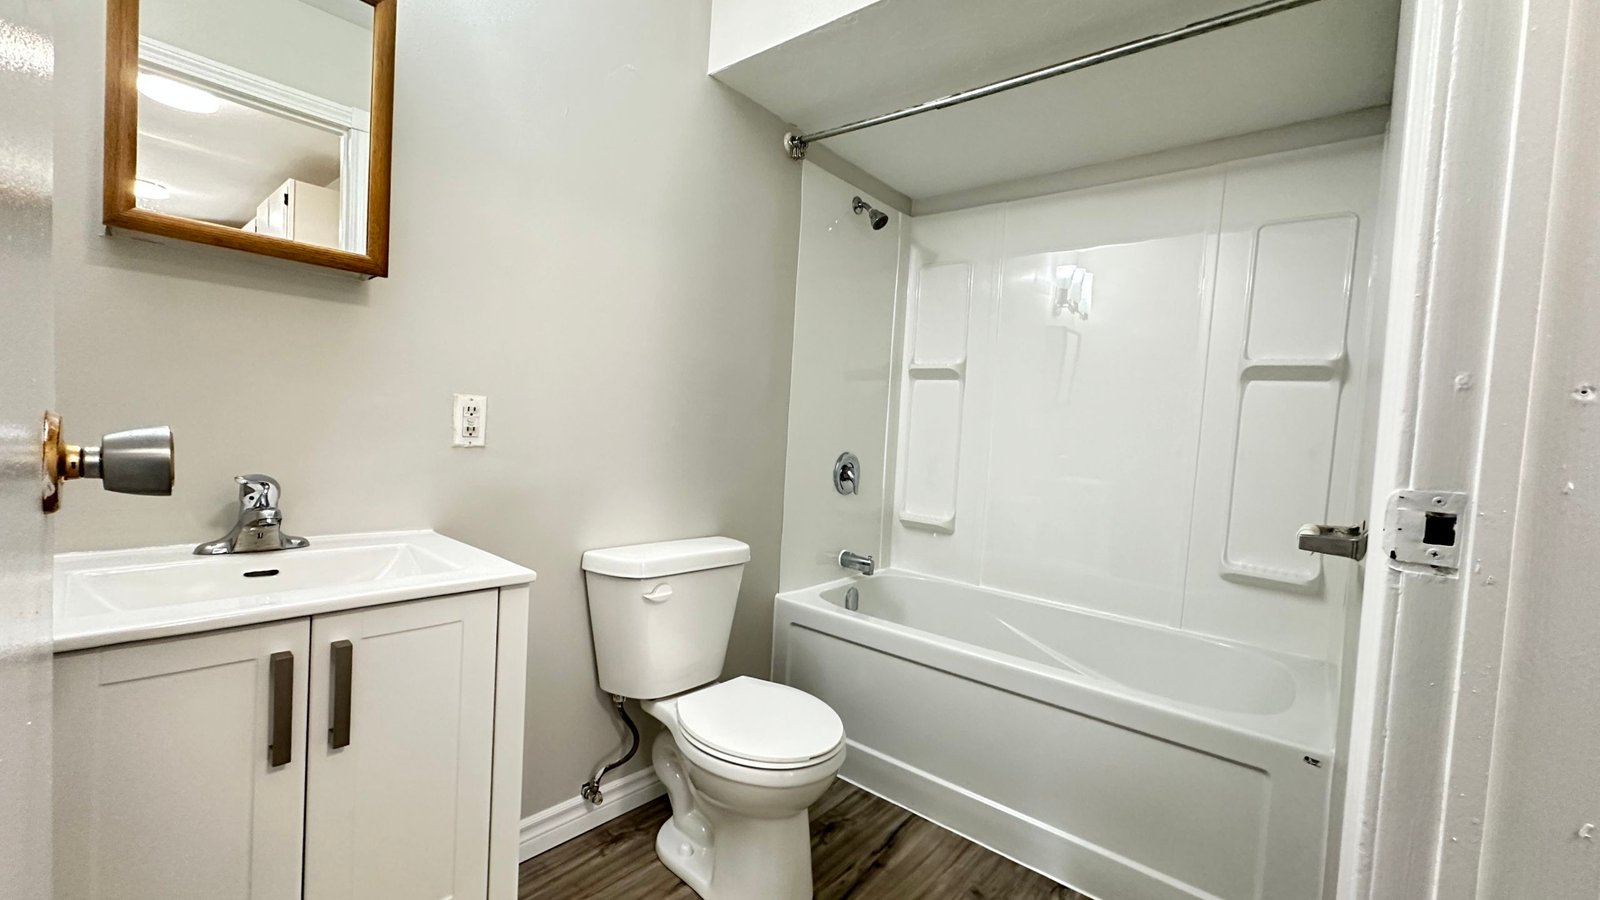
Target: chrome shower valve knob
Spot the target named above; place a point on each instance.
(847, 474)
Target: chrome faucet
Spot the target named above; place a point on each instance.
(861, 563)
(260, 525)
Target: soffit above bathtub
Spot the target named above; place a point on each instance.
(1309, 63)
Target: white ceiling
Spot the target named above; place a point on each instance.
(1316, 61)
(219, 166)
(356, 12)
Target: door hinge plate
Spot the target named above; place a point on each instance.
(1426, 528)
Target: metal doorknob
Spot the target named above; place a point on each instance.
(138, 461)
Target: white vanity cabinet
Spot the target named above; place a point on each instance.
(163, 786)
(372, 752)
(401, 744)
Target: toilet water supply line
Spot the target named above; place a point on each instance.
(591, 788)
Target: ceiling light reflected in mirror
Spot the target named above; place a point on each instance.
(176, 94)
(145, 189)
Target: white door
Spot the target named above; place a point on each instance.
(402, 734)
(27, 388)
(180, 767)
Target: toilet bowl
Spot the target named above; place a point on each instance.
(740, 780)
(742, 759)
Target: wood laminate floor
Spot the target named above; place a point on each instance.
(863, 848)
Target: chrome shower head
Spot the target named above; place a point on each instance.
(876, 217)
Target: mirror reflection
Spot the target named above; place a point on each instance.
(253, 114)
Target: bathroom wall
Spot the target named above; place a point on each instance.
(844, 334)
(586, 228)
(1130, 397)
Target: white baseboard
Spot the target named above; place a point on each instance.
(566, 820)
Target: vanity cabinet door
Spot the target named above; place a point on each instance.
(402, 734)
(180, 767)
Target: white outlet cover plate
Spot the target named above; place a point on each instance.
(469, 417)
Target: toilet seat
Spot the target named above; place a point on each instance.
(760, 724)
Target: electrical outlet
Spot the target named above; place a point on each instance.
(471, 414)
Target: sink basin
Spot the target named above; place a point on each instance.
(124, 595)
(203, 579)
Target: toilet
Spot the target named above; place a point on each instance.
(742, 759)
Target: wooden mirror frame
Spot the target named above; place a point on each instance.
(122, 145)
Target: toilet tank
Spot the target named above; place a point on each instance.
(661, 613)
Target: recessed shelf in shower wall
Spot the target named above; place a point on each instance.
(943, 372)
(1292, 369)
(935, 387)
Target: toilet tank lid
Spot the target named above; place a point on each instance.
(667, 557)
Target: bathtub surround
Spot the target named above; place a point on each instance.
(621, 352)
(1129, 397)
(839, 392)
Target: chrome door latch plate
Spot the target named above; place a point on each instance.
(1426, 528)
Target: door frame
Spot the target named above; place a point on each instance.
(1477, 103)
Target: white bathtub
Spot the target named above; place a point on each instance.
(1129, 761)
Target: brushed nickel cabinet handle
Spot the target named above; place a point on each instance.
(339, 717)
(280, 675)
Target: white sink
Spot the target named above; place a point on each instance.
(124, 595)
(203, 579)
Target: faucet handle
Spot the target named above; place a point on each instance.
(257, 491)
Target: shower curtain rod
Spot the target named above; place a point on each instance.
(795, 144)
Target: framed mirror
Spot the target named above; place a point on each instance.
(256, 125)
